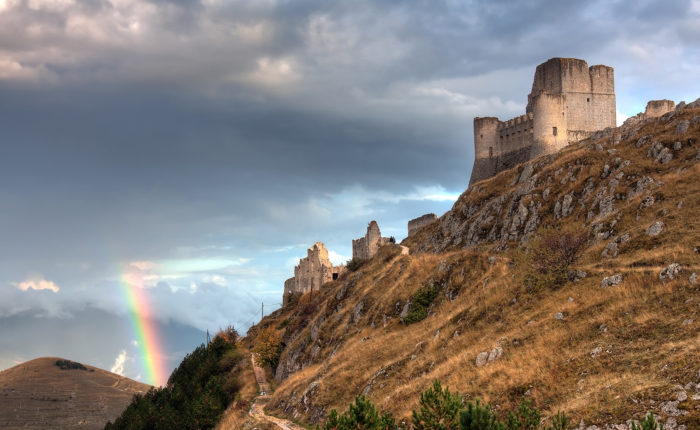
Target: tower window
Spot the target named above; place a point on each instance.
(562, 114)
(481, 135)
(588, 99)
(554, 131)
(490, 151)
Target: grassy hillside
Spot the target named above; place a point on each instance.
(602, 354)
(51, 392)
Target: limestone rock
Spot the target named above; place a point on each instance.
(693, 279)
(682, 127)
(670, 272)
(610, 250)
(495, 354)
(482, 358)
(655, 229)
(559, 316)
(610, 281)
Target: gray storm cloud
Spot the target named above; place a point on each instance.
(213, 141)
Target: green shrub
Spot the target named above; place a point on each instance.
(354, 264)
(70, 365)
(478, 417)
(524, 418)
(648, 423)
(420, 301)
(560, 422)
(361, 415)
(439, 409)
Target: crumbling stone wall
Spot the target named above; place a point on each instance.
(654, 109)
(364, 248)
(417, 223)
(568, 102)
(312, 272)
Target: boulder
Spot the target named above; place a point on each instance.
(655, 229)
(610, 281)
(482, 358)
(682, 127)
(670, 272)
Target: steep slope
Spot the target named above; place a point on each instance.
(40, 394)
(604, 352)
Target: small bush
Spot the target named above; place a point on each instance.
(70, 365)
(268, 347)
(284, 324)
(361, 415)
(439, 409)
(478, 417)
(420, 301)
(524, 418)
(648, 423)
(548, 258)
(354, 264)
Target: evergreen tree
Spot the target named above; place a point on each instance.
(439, 409)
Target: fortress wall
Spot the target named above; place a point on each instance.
(658, 107)
(485, 136)
(366, 247)
(550, 131)
(515, 133)
(417, 223)
(589, 112)
(483, 168)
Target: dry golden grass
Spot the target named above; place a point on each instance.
(645, 349)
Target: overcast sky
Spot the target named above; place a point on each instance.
(202, 146)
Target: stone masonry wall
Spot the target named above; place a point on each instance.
(364, 248)
(568, 102)
(312, 272)
(420, 222)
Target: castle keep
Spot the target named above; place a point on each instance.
(568, 101)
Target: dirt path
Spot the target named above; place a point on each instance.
(257, 410)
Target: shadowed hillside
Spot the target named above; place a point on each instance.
(51, 393)
(604, 332)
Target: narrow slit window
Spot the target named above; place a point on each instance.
(490, 151)
(554, 131)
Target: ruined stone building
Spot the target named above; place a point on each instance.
(655, 108)
(312, 272)
(568, 101)
(364, 248)
(417, 223)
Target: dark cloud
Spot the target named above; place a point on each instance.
(204, 145)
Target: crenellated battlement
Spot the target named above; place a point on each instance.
(568, 101)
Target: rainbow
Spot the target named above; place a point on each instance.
(145, 330)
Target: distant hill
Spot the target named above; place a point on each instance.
(53, 393)
(485, 304)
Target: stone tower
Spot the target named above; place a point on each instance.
(568, 102)
(365, 247)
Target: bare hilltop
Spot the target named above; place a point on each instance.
(54, 393)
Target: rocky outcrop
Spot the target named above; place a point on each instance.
(570, 186)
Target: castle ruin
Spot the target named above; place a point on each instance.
(364, 248)
(654, 109)
(312, 272)
(417, 223)
(568, 102)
